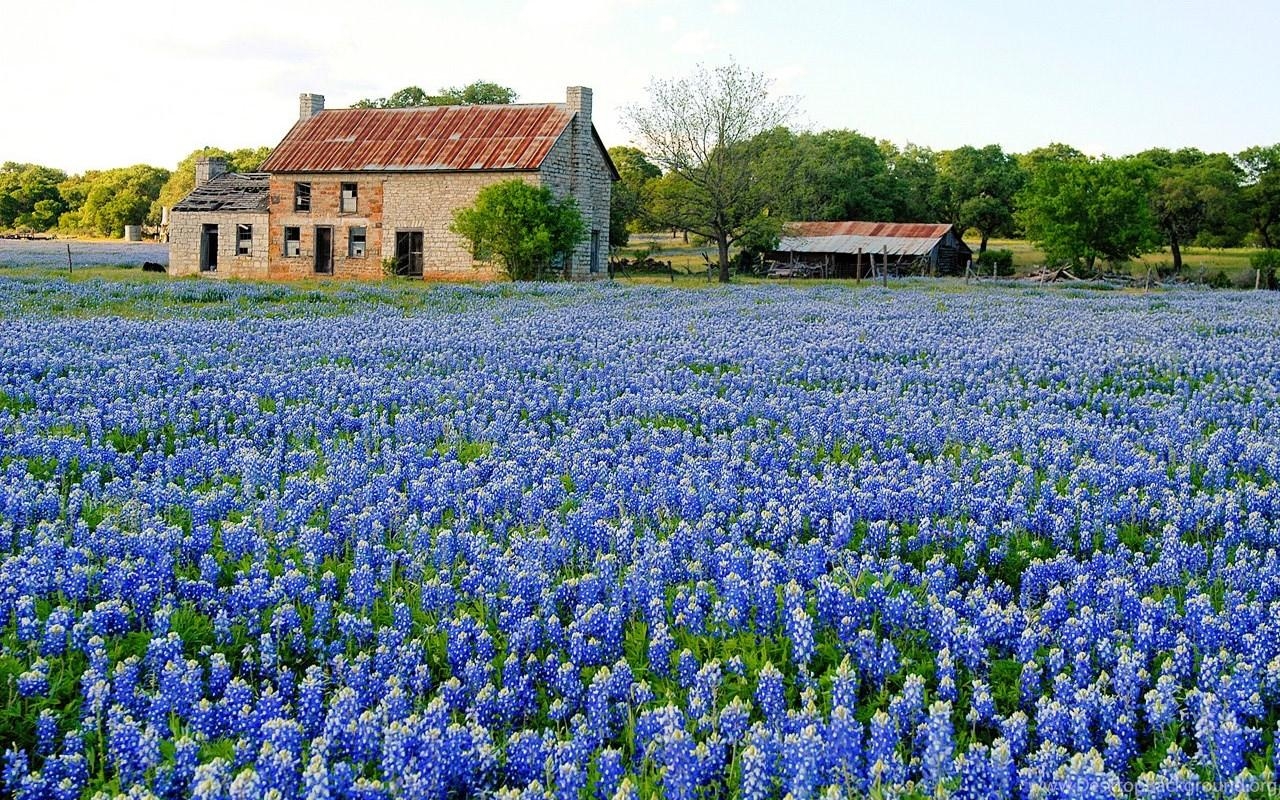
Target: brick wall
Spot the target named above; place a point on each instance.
(186, 229)
(326, 212)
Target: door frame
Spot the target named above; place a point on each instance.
(328, 230)
(209, 247)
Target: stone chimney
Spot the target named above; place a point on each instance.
(309, 105)
(209, 168)
(578, 99)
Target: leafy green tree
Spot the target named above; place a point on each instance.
(103, 202)
(1194, 195)
(183, 178)
(914, 173)
(521, 227)
(977, 190)
(631, 195)
(832, 175)
(29, 198)
(700, 129)
(1080, 210)
(1032, 160)
(1261, 193)
(479, 93)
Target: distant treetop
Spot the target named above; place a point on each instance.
(479, 93)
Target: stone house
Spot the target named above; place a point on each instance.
(349, 189)
(221, 227)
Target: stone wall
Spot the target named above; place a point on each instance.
(426, 202)
(590, 185)
(326, 212)
(186, 227)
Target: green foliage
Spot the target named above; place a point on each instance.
(29, 197)
(977, 188)
(1079, 210)
(521, 227)
(1266, 262)
(101, 203)
(999, 260)
(1261, 192)
(832, 175)
(183, 178)
(479, 93)
(1196, 198)
(631, 195)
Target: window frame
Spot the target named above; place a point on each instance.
(244, 239)
(342, 197)
(364, 241)
(302, 197)
(297, 239)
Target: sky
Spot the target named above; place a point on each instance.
(86, 84)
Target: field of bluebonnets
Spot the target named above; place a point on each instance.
(606, 542)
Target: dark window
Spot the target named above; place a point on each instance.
(409, 253)
(302, 197)
(244, 240)
(595, 251)
(293, 241)
(349, 198)
(355, 243)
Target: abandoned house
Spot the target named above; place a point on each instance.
(350, 189)
(860, 249)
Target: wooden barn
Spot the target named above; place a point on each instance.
(861, 249)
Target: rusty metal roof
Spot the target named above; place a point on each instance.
(441, 138)
(893, 238)
(896, 230)
(231, 191)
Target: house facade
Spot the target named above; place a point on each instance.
(357, 193)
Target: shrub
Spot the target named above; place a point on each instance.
(999, 260)
(1266, 262)
(521, 227)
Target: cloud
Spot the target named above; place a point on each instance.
(727, 7)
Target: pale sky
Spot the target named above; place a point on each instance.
(87, 84)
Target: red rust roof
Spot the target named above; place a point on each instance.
(441, 138)
(896, 230)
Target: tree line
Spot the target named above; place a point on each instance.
(39, 199)
(717, 157)
(1121, 207)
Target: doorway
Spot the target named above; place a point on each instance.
(409, 253)
(209, 248)
(324, 250)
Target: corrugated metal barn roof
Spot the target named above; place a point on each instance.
(897, 239)
(232, 191)
(442, 138)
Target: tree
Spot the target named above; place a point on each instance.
(700, 129)
(29, 198)
(977, 190)
(183, 178)
(1261, 193)
(1193, 194)
(914, 173)
(629, 200)
(832, 175)
(1083, 209)
(479, 93)
(103, 202)
(520, 226)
